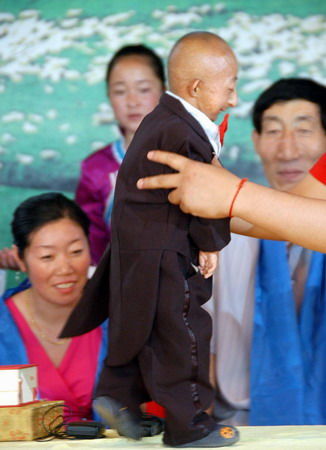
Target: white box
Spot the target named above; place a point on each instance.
(18, 384)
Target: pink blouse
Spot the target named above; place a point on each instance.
(95, 193)
(73, 381)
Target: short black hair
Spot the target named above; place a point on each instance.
(287, 89)
(39, 210)
(138, 50)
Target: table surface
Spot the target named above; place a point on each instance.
(253, 438)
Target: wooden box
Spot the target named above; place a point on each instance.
(28, 422)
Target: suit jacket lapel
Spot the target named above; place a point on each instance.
(177, 108)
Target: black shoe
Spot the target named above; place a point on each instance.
(118, 417)
(222, 436)
(151, 425)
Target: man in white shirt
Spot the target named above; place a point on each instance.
(267, 345)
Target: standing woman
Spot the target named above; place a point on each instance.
(50, 235)
(135, 81)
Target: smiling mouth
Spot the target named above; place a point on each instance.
(65, 285)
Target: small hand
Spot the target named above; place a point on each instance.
(207, 263)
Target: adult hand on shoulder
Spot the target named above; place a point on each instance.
(198, 188)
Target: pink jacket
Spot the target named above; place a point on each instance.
(95, 193)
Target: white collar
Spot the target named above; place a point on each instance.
(210, 128)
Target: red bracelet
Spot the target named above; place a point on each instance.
(242, 182)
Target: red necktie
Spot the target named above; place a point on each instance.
(223, 127)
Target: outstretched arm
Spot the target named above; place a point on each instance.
(208, 191)
(291, 217)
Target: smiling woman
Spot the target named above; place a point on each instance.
(56, 260)
(135, 81)
(51, 246)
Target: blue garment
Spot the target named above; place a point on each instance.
(288, 353)
(118, 152)
(12, 347)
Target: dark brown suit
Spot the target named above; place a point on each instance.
(159, 334)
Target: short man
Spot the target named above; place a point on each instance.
(161, 260)
(267, 297)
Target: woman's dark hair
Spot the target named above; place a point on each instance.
(288, 89)
(138, 50)
(39, 210)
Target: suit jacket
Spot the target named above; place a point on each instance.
(144, 225)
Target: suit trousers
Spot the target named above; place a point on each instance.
(172, 368)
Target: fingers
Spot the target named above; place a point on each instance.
(4, 259)
(208, 263)
(203, 261)
(171, 159)
(209, 271)
(166, 181)
(8, 260)
(202, 257)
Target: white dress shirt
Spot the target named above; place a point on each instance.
(210, 128)
(231, 308)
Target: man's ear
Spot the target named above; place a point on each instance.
(193, 87)
(21, 264)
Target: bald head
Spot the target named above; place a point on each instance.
(195, 55)
(199, 60)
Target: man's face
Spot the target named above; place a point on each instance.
(291, 141)
(217, 90)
